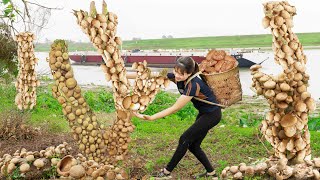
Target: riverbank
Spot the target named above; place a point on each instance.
(263, 41)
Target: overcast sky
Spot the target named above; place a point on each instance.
(150, 19)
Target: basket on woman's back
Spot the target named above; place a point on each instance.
(220, 71)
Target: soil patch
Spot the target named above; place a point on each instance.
(37, 143)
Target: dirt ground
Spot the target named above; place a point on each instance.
(37, 143)
(133, 163)
(44, 140)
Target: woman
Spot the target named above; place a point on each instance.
(208, 117)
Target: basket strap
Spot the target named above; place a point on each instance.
(202, 100)
(208, 102)
(193, 76)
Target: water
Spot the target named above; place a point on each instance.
(89, 75)
(270, 67)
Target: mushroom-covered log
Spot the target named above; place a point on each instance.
(101, 30)
(91, 136)
(286, 125)
(27, 82)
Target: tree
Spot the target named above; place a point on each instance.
(8, 54)
(33, 16)
(29, 15)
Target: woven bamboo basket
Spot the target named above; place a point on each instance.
(226, 86)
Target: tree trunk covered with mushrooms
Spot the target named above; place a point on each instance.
(102, 144)
(27, 79)
(286, 124)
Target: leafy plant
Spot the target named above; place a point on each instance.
(314, 124)
(50, 173)
(249, 120)
(15, 174)
(8, 55)
(100, 100)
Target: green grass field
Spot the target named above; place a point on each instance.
(236, 138)
(241, 41)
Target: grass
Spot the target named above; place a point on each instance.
(236, 138)
(241, 41)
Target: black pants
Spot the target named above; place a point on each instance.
(191, 139)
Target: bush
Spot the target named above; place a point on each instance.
(8, 55)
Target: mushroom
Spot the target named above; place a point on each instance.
(54, 161)
(126, 102)
(272, 171)
(311, 105)
(135, 106)
(269, 84)
(38, 163)
(281, 96)
(261, 168)
(316, 162)
(77, 171)
(234, 169)
(11, 167)
(269, 93)
(144, 100)
(249, 171)
(63, 166)
(290, 131)
(316, 174)
(305, 95)
(300, 144)
(255, 67)
(238, 175)
(284, 87)
(111, 174)
(282, 164)
(288, 120)
(300, 106)
(25, 167)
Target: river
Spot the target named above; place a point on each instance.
(93, 75)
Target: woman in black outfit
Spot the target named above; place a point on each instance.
(208, 117)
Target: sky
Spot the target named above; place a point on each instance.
(151, 19)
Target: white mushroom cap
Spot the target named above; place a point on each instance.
(255, 67)
(38, 163)
(77, 171)
(25, 167)
(269, 84)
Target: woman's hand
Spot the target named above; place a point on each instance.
(143, 116)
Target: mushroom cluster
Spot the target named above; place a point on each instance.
(276, 168)
(101, 30)
(242, 170)
(145, 89)
(280, 169)
(79, 167)
(29, 162)
(91, 136)
(27, 82)
(221, 73)
(286, 125)
(217, 61)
